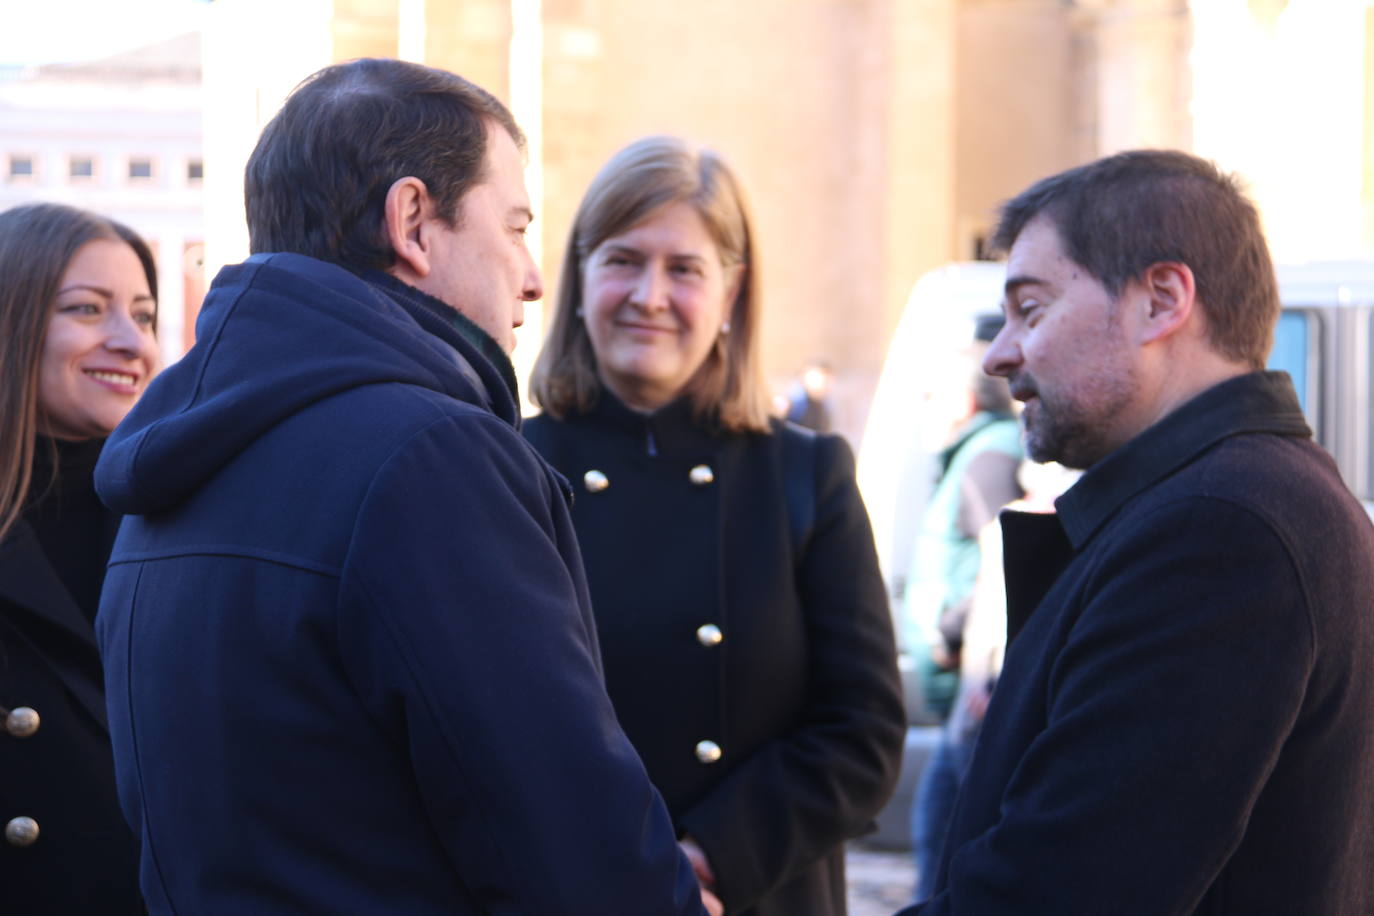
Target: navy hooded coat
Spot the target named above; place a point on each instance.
(351, 664)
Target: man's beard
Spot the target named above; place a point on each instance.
(1072, 430)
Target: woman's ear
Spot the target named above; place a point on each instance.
(1171, 299)
(408, 207)
(734, 278)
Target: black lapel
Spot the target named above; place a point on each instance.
(1035, 552)
(41, 604)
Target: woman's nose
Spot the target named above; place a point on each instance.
(124, 334)
(650, 290)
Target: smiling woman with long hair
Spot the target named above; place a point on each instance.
(78, 309)
(743, 623)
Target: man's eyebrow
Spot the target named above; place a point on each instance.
(1018, 281)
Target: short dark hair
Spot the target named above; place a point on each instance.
(37, 242)
(317, 181)
(1119, 215)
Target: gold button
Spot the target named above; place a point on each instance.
(22, 722)
(22, 831)
(708, 634)
(702, 475)
(595, 481)
(708, 751)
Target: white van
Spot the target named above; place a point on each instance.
(1324, 340)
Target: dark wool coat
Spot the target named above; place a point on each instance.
(349, 652)
(85, 859)
(1185, 719)
(797, 684)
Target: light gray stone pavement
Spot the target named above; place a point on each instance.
(880, 882)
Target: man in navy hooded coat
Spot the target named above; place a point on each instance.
(351, 663)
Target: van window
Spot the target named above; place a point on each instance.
(1291, 349)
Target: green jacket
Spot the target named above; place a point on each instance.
(978, 478)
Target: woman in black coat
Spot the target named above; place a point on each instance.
(77, 313)
(747, 643)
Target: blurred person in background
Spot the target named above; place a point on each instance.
(972, 413)
(78, 310)
(749, 651)
(349, 649)
(967, 418)
(809, 403)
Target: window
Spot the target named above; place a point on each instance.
(195, 170)
(140, 168)
(1291, 351)
(81, 167)
(21, 167)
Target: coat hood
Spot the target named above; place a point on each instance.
(277, 333)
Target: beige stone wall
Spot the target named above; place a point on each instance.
(1043, 85)
(1143, 83)
(471, 37)
(874, 137)
(1026, 107)
(364, 28)
(837, 116)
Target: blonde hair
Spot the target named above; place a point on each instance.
(649, 174)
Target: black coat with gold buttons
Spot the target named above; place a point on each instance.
(59, 778)
(750, 659)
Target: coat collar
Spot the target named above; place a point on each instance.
(28, 580)
(1038, 547)
(489, 367)
(35, 593)
(1258, 402)
(670, 430)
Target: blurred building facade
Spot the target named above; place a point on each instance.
(120, 136)
(874, 137)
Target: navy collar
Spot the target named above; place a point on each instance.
(1258, 402)
(492, 364)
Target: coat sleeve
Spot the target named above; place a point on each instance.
(1170, 700)
(470, 645)
(804, 793)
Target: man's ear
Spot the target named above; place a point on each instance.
(1170, 299)
(408, 207)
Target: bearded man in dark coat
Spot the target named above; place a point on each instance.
(1185, 719)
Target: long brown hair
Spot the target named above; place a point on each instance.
(649, 174)
(37, 242)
